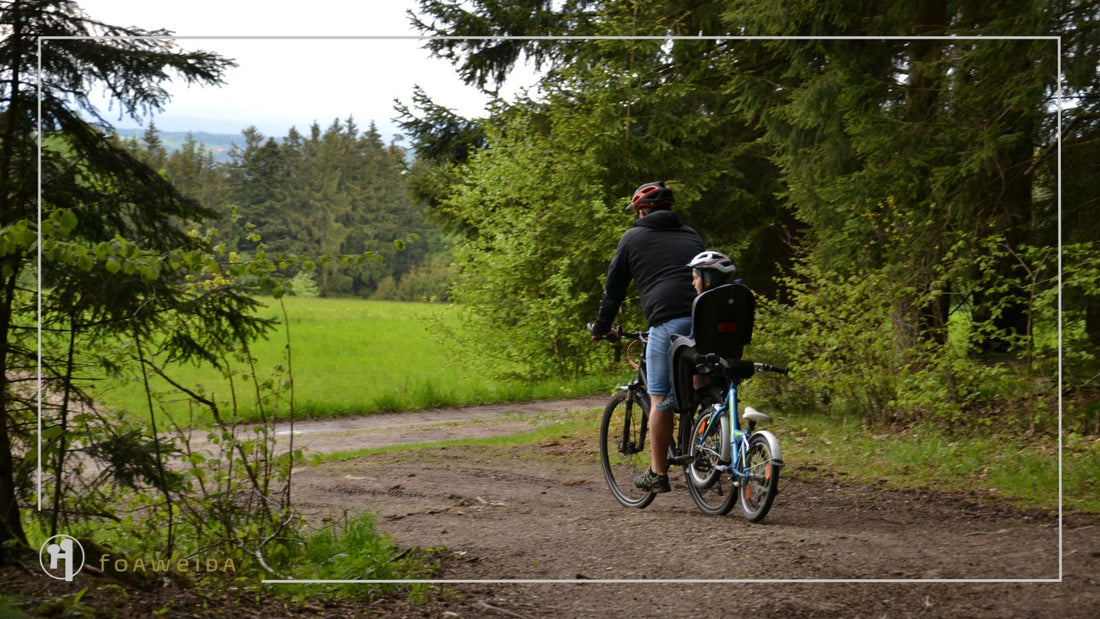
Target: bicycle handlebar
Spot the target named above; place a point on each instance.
(617, 332)
(767, 367)
(730, 364)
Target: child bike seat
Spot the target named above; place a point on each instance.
(722, 320)
(721, 324)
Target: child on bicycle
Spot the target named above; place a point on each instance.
(710, 269)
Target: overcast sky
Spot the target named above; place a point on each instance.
(284, 82)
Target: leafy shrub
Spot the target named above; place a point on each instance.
(841, 336)
(530, 272)
(354, 550)
(428, 282)
(303, 284)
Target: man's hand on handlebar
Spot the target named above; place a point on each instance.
(611, 336)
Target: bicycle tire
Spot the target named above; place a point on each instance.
(624, 446)
(759, 488)
(704, 451)
(711, 489)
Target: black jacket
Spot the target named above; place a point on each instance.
(655, 253)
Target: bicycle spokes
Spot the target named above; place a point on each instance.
(760, 485)
(623, 452)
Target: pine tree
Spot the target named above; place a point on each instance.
(897, 152)
(95, 195)
(614, 113)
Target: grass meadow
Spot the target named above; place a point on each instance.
(347, 356)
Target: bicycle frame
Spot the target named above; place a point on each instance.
(637, 384)
(641, 379)
(736, 445)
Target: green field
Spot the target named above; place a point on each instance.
(349, 356)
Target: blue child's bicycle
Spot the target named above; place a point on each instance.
(731, 460)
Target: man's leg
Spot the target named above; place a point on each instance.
(660, 432)
(660, 384)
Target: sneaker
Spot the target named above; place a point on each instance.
(652, 482)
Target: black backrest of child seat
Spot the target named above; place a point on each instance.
(722, 319)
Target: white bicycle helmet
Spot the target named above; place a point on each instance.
(713, 267)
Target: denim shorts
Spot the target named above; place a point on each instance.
(657, 354)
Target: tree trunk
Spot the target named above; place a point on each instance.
(11, 527)
(928, 316)
(934, 316)
(1092, 321)
(1013, 213)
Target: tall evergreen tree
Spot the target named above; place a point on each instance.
(256, 176)
(627, 111)
(925, 159)
(193, 170)
(941, 137)
(106, 216)
(1079, 24)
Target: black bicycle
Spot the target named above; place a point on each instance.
(624, 428)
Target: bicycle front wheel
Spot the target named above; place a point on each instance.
(710, 487)
(624, 448)
(761, 484)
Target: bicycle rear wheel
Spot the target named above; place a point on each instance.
(710, 488)
(624, 448)
(759, 488)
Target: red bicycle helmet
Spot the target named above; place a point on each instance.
(654, 195)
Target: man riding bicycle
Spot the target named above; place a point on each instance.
(655, 253)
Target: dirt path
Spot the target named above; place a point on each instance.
(385, 429)
(543, 513)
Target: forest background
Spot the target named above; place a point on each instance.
(897, 203)
(911, 197)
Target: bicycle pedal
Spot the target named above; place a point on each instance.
(680, 460)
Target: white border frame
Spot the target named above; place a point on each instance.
(1058, 98)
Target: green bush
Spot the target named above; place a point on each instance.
(304, 285)
(530, 272)
(429, 282)
(355, 550)
(846, 343)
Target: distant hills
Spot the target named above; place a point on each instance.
(217, 143)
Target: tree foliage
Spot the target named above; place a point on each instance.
(524, 273)
(124, 273)
(925, 161)
(335, 203)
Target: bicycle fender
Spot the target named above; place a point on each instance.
(773, 445)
